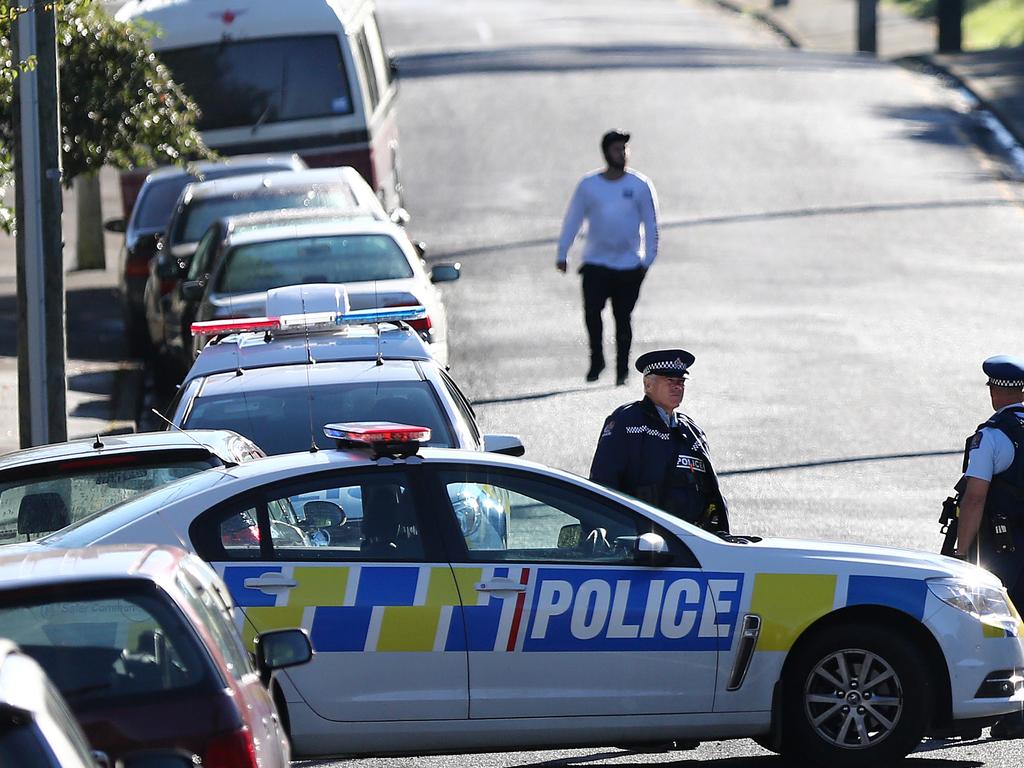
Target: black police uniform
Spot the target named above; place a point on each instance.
(667, 467)
(1005, 502)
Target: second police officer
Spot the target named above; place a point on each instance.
(657, 454)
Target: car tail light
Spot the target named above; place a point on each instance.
(422, 325)
(167, 285)
(136, 268)
(231, 750)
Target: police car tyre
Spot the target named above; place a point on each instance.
(855, 695)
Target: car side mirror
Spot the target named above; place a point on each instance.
(509, 445)
(569, 536)
(651, 549)
(399, 216)
(393, 66)
(445, 273)
(192, 290)
(170, 269)
(280, 649)
(118, 226)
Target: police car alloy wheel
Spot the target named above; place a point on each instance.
(856, 695)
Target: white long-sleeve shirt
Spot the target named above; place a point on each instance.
(614, 212)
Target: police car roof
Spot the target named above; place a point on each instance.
(219, 442)
(291, 376)
(23, 567)
(249, 351)
(194, 22)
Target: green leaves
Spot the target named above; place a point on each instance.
(118, 105)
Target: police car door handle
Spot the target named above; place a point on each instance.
(270, 581)
(500, 585)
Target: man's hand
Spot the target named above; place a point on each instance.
(560, 266)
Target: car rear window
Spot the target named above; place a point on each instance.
(104, 646)
(201, 212)
(337, 259)
(261, 81)
(281, 420)
(77, 488)
(156, 202)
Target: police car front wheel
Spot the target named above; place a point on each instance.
(855, 696)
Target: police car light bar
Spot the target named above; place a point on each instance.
(386, 438)
(310, 322)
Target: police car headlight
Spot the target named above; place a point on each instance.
(979, 600)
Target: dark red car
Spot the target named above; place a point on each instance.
(141, 641)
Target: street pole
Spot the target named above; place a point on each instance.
(867, 26)
(950, 22)
(42, 397)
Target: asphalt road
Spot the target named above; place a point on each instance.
(836, 251)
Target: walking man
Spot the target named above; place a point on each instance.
(991, 523)
(651, 451)
(615, 203)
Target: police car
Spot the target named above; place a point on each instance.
(592, 619)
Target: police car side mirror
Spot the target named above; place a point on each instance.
(651, 549)
(192, 290)
(510, 445)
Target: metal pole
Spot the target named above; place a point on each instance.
(867, 26)
(950, 22)
(41, 345)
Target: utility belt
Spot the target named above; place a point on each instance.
(995, 523)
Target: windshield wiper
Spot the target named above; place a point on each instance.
(262, 118)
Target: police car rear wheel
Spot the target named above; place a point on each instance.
(856, 695)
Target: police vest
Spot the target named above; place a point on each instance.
(1006, 493)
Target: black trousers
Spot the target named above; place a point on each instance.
(622, 286)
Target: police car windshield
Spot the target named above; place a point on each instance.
(278, 420)
(202, 212)
(334, 259)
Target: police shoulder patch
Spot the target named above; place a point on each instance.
(976, 440)
(608, 427)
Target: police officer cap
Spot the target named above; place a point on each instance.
(611, 137)
(1005, 371)
(673, 363)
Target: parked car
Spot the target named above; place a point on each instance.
(337, 192)
(141, 642)
(367, 367)
(147, 216)
(305, 75)
(593, 620)
(37, 730)
(375, 260)
(42, 489)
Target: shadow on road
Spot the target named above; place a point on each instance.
(743, 218)
(539, 395)
(572, 58)
(845, 460)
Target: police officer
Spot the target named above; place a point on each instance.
(991, 524)
(651, 451)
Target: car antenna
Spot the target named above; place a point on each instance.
(98, 444)
(174, 426)
(309, 391)
(376, 326)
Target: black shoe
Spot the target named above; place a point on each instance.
(595, 371)
(620, 379)
(1009, 727)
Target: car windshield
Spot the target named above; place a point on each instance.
(32, 507)
(156, 202)
(269, 80)
(280, 420)
(336, 259)
(202, 212)
(100, 646)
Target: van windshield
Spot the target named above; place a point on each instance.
(267, 80)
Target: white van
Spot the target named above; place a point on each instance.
(305, 76)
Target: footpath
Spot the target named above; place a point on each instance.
(104, 384)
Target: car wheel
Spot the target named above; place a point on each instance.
(855, 696)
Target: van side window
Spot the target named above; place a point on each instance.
(371, 74)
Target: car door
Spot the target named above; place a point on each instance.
(179, 311)
(560, 618)
(352, 558)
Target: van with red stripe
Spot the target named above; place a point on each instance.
(305, 76)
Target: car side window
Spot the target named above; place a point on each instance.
(462, 406)
(507, 517)
(199, 265)
(361, 518)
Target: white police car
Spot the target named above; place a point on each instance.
(592, 620)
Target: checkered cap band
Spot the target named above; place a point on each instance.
(676, 366)
(1006, 382)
